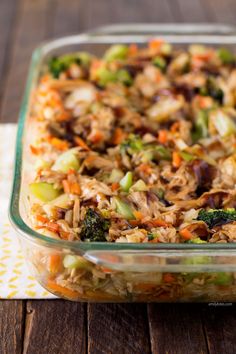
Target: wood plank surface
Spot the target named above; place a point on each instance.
(32, 22)
(55, 327)
(118, 328)
(58, 326)
(219, 321)
(11, 326)
(176, 329)
(8, 14)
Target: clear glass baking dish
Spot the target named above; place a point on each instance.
(116, 272)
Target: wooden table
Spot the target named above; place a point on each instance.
(58, 327)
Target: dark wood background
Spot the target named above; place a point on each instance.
(58, 327)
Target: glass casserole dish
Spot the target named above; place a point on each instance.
(119, 272)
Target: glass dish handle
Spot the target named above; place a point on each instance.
(158, 260)
(164, 28)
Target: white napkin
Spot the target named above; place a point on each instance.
(15, 280)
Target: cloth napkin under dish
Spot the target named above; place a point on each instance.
(15, 280)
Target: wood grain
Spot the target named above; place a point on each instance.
(55, 327)
(222, 11)
(11, 326)
(194, 11)
(220, 323)
(176, 329)
(31, 29)
(8, 10)
(118, 329)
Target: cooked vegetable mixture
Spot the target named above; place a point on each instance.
(136, 146)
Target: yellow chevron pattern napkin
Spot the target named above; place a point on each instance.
(15, 279)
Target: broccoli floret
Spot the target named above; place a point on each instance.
(211, 89)
(217, 217)
(94, 227)
(59, 64)
(132, 144)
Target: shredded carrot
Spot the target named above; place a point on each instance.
(175, 126)
(71, 171)
(80, 142)
(90, 159)
(107, 270)
(96, 137)
(133, 49)
(54, 263)
(41, 218)
(66, 186)
(95, 65)
(168, 278)
(155, 43)
(52, 226)
(145, 168)
(59, 143)
(186, 234)
(138, 215)
(115, 186)
(45, 78)
(36, 150)
(135, 222)
(118, 136)
(67, 293)
(159, 76)
(163, 136)
(64, 235)
(206, 56)
(71, 187)
(205, 102)
(75, 188)
(159, 223)
(63, 116)
(176, 159)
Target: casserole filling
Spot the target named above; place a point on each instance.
(136, 146)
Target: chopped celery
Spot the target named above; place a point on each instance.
(105, 76)
(197, 240)
(160, 193)
(139, 186)
(223, 279)
(44, 191)
(116, 175)
(66, 161)
(84, 58)
(226, 56)
(147, 155)
(197, 49)
(117, 51)
(71, 261)
(166, 49)
(123, 209)
(132, 144)
(126, 181)
(162, 153)
(124, 77)
(201, 125)
(223, 123)
(186, 156)
(63, 201)
(159, 62)
(197, 260)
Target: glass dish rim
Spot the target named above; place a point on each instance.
(103, 35)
